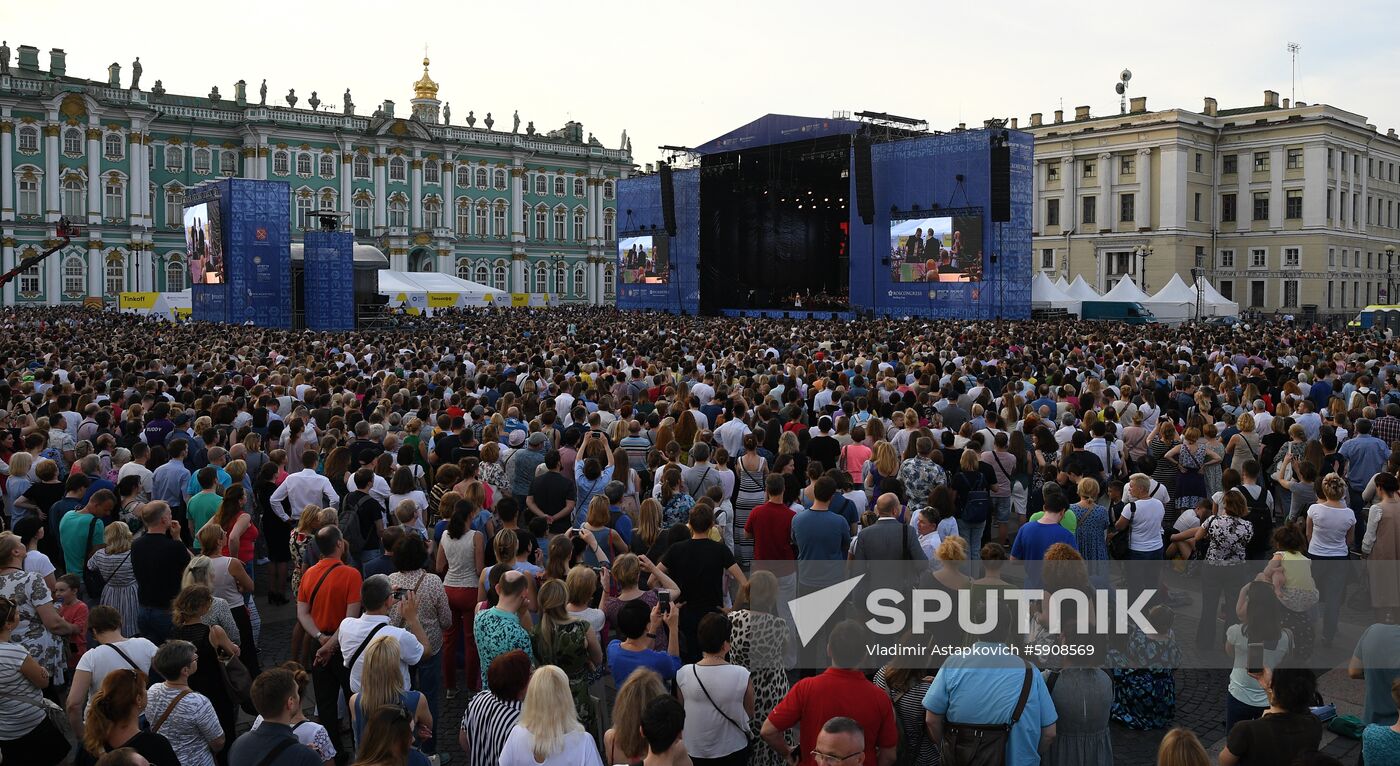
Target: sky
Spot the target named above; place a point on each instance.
(681, 73)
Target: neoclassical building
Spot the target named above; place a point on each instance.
(517, 209)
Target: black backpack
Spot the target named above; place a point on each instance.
(349, 519)
(979, 501)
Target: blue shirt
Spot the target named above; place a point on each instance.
(624, 661)
(168, 483)
(1033, 540)
(1366, 456)
(984, 688)
(192, 485)
(821, 536)
(622, 523)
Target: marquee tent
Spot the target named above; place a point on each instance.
(1174, 303)
(1081, 291)
(1046, 294)
(1126, 290)
(427, 290)
(1215, 303)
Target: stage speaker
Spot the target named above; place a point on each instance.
(668, 199)
(865, 182)
(1001, 182)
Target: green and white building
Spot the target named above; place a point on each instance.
(517, 209)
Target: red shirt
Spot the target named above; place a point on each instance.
(341, 588)
(836, 692)
(770, 525)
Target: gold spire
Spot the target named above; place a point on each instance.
(425, 87)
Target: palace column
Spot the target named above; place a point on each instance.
(96, 271)
(51, 180)
(381, 192)
(415, 205)
(94, 177)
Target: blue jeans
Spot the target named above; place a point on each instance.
(155, 624)
(1331, 580)
(1143, 576)
(429, 674)
(972, 533)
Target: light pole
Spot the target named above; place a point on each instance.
(1389, 273)
(1141, 252)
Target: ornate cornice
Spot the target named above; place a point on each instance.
(51, 131)
(94, 134)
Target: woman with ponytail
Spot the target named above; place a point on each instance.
(1329, 530)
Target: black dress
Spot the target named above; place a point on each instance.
(152, 747)
(208, 678)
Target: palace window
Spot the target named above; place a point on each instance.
(1261, 206)
(74, 198)
(561, 232)
(228, 162)
(480, 222)
(609, 223)
(464, 177)
(499, 182)
(498, 220)
(28, 139)
(174, 206)
(1052, 212)
(608, 189)
(541, 185)
(464, 218)
(498, 276)
(483, 274)
(72, 142)
(608, 280)
(580, 282)
(1292, 258)
(1258, 258)
(114, 198)
(1091, 209)
(113, 147)
(561, 276)
(203, 161)
(1230, 164)
(362, 213)
(327, 199)
(327, 166)
(1261, 161)
(1126, 166)
(398, 213)
(281, 163)
(432, 172)
(1047, 258)
(115, 275)
(578, 187)
(1227, 259)
(481, 182)
(28, 202)
(1293, 203)
(541, 279)
(398, 169)
(303, 213)
(174, 158)
(1126, 207)
(74, 275)
(432, 214)
(304, 164)
(29, 280)
(541, 219)
(579, 229)
(359, 168)
(559, 186)
(1227, 208)
(1295, 159)
(175, 276)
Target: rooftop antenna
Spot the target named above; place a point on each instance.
(1293, 49)
(1122, 90)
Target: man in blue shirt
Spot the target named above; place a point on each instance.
(1366, 456)
(1036, 537)
(984, 687)
(168, 482)
(822, 538)
(218, 458)
(639, 626)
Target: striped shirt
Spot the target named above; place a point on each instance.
(487, 723)
(191, 725)
(17, 717)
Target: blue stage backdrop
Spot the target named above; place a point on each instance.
(328, 280)
(942, 180)
(256, 245)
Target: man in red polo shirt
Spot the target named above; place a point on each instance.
(330, 592)
(770, 527)
(841, 691)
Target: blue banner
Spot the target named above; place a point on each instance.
(328, 280)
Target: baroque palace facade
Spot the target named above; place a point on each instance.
(520, 210)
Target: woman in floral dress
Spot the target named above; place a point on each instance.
(759, 643)
(40, 627)
(1144, 687)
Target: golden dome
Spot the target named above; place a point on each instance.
(425, 87)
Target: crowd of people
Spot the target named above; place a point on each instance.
(590, 525)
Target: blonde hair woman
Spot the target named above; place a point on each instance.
(381, 684)
(883, 464)
(623, 743)
(568, 642)
(761, 641)
(1245, 444)
(549, 733)
(112, 563)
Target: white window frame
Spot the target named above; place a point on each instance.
(481, 179)
(228, 162)
(560, 186)
(111, 140)
(609, 224)
(114, 274)
(464, 177)
(31, 280)
(27, 139)
(305, 205)
(432, 213)
(609, 281)
(541, 185)
(361, 167)
(580, 281)
(73, 276)
(74, 197)
(541, 223)
(362, 213)
(580, 225)
(541, 278)
(481, 218)
(304, 164)
(398, 169)
(175, 268)
(499, 276)
(1258, 258)
(498, 181)
(1292, 258)
(174, 206)
(499, 214)
(114, 198)
(1226, 258)
(463, 217)
(202, 161)
(281, 162)
(398, 212)
(72, 142)
(561, 220)
(325, 165)
(482, 273)
(609, 189)
(579, 187)
(174, 158)
(29, 194)
(432, 172)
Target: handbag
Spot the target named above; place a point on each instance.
(966, 744)
(92, 579)
(1118, 541)
(237, 681)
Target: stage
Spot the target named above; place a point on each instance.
(900, 222)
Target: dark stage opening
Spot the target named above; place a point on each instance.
(774, 227)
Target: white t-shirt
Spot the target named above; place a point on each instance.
(139, 470)
(707, 733)
(103, 659)
(1187, 520)
(579, 750)
(38, 563)
(1146, 517)
(1330, 527)
(353, 631)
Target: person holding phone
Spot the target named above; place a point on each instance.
(1261, 629)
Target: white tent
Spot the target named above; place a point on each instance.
(1062, 284)
(176, 306)
(1174, 303)
(428, 290)
(1126, 290)
(1046, 294)
(1081, 291)
(1215, 303)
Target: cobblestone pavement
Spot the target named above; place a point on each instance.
(1200, 702)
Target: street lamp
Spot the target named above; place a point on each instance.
(1141, 252)
(1389, 273)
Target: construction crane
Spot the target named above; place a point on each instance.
(66, 233)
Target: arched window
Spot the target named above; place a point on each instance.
(113, 147)
(74, 276)
(304, 201)
(481, 182)
(203, 161)
(327, 199)
(464, 177)
(480, 222)
(498, 276)
(362, 214)
(72, 142)
(27, 187)
(464, 217)
(541, 185)
(30, 280)
(559, 186)
(580, 229)
(561, 230)
(115, 281)
(28, 139)
(228, 162)
(580, 282)
(608, 189)
(525, 221)
(432, 213)
(608, 281)
(541, 217)
(174, 158)
(398, 169)
(541, 278)
(327, 166)
(498, 220)
(464, 269)
(483, 274)
(432, 172)
(499, 182)
(609, 223)
(281, 163)
(578, 187)
(175, 275)
(398, 212)
(360, 167)
(114, 197)
(303, 164)
(561, 277)
(74, 198)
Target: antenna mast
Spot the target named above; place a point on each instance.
(1293, 49)
(1121, 88)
